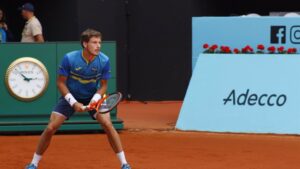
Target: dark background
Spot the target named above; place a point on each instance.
(153, 36)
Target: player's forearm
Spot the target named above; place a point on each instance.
(102, 90)
(62, 87)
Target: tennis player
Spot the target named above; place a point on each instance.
(82, 79)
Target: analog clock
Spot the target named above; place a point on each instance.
(26, 79)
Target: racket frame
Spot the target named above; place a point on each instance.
(97, 105)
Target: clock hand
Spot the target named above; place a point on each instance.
(25, 78)
(32, 79)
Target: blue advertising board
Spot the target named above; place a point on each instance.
(252, 93)
(238, 32)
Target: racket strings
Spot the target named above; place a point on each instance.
(109, 102)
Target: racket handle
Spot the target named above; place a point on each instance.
(85, 107)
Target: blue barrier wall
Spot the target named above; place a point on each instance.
(243, 93)
(240, 31)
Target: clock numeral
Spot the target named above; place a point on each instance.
(15, 72)
(12, 79)
(38, 86)
(33, 91)
(33, 67)
(20, 91)
(26, 65)
(15, 86)
(26, 93)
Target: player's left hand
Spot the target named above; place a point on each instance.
(94, 100)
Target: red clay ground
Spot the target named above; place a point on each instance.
(152, 115)
(151, 144)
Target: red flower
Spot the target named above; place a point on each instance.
(280, 49)
(227, 49)
(250, 49)
(292, 50)
(261, 47)
(247, 49)
(214, 47)
(205, 46)
(222, 48)
(236, 50)
(271, 49)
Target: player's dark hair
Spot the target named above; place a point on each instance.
(88, 34)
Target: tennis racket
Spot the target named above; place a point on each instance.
(105, 104)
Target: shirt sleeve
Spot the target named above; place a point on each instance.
(106, 72)
(36, 29)
(64, 67)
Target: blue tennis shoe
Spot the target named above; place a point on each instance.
(32, 166)
(126, 166)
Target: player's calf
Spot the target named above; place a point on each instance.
(107, 126)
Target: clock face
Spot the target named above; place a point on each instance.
(27, 79)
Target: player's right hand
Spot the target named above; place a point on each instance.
(78, 107)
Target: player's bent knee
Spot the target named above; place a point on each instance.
(51, 129)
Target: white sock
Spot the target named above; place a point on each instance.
(36, 159)
(122, 158)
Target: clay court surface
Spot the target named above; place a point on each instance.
(151, 143)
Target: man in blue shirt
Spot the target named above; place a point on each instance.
(82, 79)
(2, 35)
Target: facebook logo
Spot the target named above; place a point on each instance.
(278, 34)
